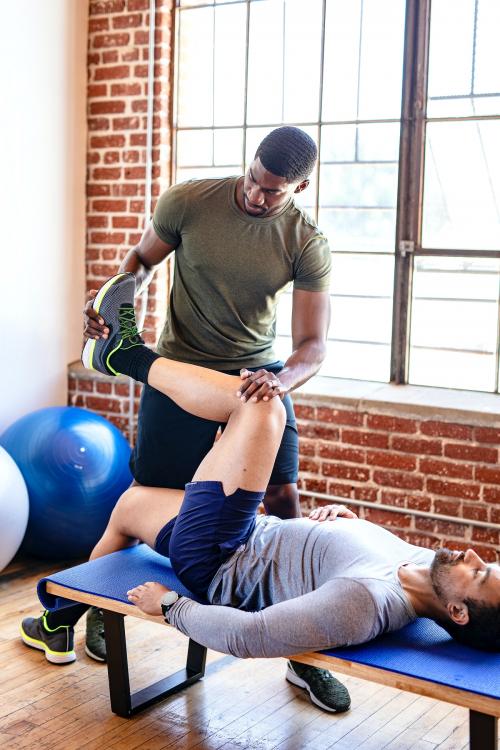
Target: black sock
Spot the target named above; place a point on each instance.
(134, 362)
(65, 616)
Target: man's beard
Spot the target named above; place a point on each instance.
(444, 559)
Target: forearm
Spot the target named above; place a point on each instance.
(324, 618)
(231, 631)
(303, 363)
(132, 263)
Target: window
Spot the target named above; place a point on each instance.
(407, 186)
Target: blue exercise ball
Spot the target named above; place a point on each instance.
(75, 465)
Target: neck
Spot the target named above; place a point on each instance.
(417, 585)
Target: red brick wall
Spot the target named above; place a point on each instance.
(417, 465)
(117, 104)
(441, 467)
(118, 56)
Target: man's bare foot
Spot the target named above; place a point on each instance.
(147, 597)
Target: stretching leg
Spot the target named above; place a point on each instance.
(242, 458)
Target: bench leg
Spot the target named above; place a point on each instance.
(125, 704)
(483, 731)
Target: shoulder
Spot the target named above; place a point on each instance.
(305, 230)
(205, 187)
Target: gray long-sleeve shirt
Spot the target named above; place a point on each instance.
(302, 585)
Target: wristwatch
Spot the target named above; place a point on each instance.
(167, 602)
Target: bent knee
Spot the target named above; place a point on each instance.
(276, 411)
(126, 506)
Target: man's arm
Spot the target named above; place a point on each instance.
(339, 613)
(141, 260)
(310, 321)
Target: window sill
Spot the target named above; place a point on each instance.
(410, 401)
(403, 400)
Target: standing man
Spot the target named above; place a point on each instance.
(238, 242)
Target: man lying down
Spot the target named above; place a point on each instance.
(273, 587)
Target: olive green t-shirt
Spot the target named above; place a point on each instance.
(230, 270)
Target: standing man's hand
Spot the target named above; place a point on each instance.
(331, 512)
(95, 325)
(260, 386)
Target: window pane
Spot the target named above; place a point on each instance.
(473, 372)
(342, 40)
(450, 74)
(361, 315)
(265, 63)
(378, 142)
(462, 186)
(381, 59)
(357, 361)
(358, 186)
(362, 275)
(454, 323)
(464, 81)
(188, 3)
(284, 317)
(206, 148)
(202, 173)
(359, 230)
(194, 148)
(302, 71)
(363, 59)
(361, 319)
(195, 87)
(228, 147)
(229, 54)
(487, 63)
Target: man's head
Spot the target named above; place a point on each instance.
(469, 589)
(281, 166)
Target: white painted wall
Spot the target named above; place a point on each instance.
(42, 199)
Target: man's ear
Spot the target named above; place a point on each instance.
(301, 186)
(458, 612)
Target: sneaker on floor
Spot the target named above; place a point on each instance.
(57, 644)
(95, 645)
(115, 302)
(324, 689)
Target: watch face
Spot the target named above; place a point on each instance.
(169, 598)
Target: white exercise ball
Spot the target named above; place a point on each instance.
(14, 508)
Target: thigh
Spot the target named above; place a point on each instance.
(171, 442)
(142, 512)
(286, 465)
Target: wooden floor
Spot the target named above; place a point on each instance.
(239, 704)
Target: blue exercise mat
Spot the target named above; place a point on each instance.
(112, 576)
(424, 650)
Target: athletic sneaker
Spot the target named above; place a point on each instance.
(115, 302)
(324, 689)
(95, 645)
(57, 643)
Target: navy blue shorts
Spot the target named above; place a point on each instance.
(171, 443)
(209, 528)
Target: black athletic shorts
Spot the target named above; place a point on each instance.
(171, 443)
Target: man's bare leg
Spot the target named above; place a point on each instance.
(139, 514)
(242, 458)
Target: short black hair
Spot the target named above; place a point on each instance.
(483, 629)
(288, 152)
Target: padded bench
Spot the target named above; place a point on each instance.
(420, 658)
